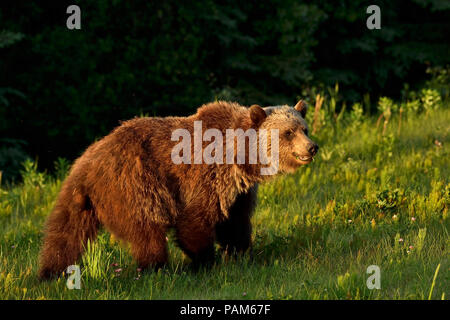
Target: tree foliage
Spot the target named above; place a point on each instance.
(169, 57)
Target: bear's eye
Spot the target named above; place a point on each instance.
(289, 133)
(305, 131)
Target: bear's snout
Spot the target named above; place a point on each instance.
(312, 148)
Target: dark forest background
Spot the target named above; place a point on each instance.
(61, 89)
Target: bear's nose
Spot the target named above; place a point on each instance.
(313, 148)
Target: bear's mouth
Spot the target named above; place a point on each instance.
(303, 158)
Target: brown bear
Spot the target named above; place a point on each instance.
(129, 183)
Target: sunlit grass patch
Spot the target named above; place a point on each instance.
(373, 196)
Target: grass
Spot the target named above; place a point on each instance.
(368, 199)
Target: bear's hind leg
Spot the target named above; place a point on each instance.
(149, 246)
(69, 227)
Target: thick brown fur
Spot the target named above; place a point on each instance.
(128, 183)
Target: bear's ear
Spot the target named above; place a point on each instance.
(257, 114)
(301, 107)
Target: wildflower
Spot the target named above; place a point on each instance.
(114, 264)
(118, 270)
(14, 246)
(394, 216)
(438, 143)
(400, 240)
(413, 219)
(350, 221)
(244, 294)
(139, 269)
(411, 247)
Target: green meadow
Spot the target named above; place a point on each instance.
(378, 193)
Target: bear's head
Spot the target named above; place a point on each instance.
(295, 147)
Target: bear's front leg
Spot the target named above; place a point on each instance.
(195, 237)
(234, 234)
(149, 245)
